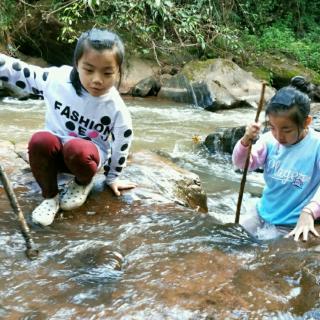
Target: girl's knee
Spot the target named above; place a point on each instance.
(44, 141)
(80, 151)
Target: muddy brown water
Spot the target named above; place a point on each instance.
(132, 258)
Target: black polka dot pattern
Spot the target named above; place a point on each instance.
(124, 147)
(106, 169)
(122, 160)
(105, 120)
(35, 90)
(127, 133)
(45, 76)
(38, 93)
(16, 66)
(20, 84)
(70, 125)
(109, 131)
(26, 72)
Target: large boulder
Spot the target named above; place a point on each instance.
(136, 70)
(224, 139)
(146, 87)
(178, 88)
(160, 178)
(12, 160)
(280, 69)
(215, 84)
(160, 182)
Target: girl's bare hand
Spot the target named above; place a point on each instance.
(117, 186)
(252, 132)
(304, 225)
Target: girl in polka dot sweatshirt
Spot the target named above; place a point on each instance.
(87, 125)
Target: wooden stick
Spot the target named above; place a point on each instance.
(246, 165)
(30, 252)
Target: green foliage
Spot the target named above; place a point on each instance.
(204, 28)
(154, 26)
(301, 16)
(280, 38)
(7, 13)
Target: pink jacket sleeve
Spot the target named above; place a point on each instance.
(257, 157)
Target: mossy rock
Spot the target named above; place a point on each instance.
(260, 73)
(278, 70)
(197, 67)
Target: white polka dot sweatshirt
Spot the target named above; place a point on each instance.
(104, 120)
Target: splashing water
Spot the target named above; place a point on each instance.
(148, 259)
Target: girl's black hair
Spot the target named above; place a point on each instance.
(301, 84)
(292, 101)
(98, 39)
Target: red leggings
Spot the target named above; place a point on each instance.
(48, 156)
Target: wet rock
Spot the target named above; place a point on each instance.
(214, 84)
(159, 181)
(224, 139)
(191, 194)
(10, 160)
(185, 286)
(146, 87)
(92, 260)
(279, 69)
(7, 89)
(179, 89)
(136, 70)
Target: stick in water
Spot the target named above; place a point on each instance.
(30, 252)
(246, 165)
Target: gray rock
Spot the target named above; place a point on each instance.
(214, 84)
(159, 181)
(146, 87)
(224, 139)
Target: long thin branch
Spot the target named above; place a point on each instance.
(27, 4)
(62, 7)
(155, 53)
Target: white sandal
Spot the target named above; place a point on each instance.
(45, 212)
(75, 195)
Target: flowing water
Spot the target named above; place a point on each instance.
(155, 261)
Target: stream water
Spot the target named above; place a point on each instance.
(156, 261)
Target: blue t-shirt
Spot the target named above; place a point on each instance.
(292, 176)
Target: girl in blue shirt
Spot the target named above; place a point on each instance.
(290, 156)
